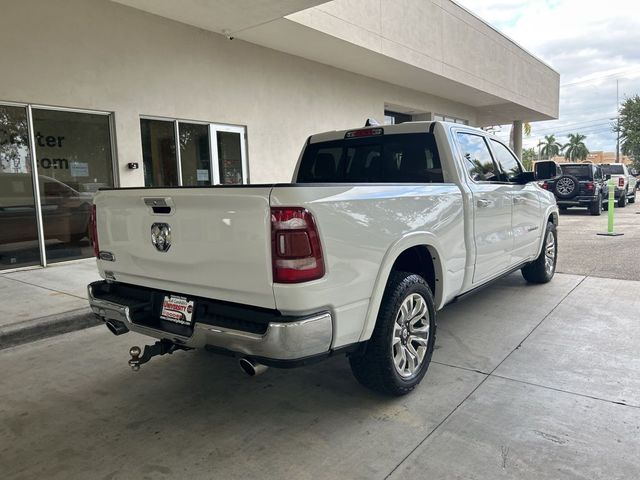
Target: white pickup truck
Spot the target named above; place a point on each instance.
(381, 227)
(625, 183)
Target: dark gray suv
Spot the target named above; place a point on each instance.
(579, 185)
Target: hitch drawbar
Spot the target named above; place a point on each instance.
(161, 347)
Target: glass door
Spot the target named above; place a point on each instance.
(195, 154)
(74, 160)
(230, 154)
(19, 245)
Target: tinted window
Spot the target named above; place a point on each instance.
(613, 169)
(597, 173)
(581, 172)
(507, 161)
(476, 157)
(405, 158)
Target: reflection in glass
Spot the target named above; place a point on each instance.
(18, 226)
(73, 152)
(159, 153)
(478, 160)
(230, 157)
(194, 154)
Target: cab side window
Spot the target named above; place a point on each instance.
(477, 158)
(509, 164)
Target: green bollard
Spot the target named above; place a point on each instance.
(611, 207)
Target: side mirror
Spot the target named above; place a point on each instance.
(526, 177)
(546, 170)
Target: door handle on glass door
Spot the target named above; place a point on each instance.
(483, 202)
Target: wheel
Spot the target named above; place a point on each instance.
(567, 186)
(398, 354)
(596, 207)
(622, 201)
(541, 270)
(633, 197)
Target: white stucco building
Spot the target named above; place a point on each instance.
(202, 92)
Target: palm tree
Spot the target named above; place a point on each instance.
(550, 147)
(575, 149)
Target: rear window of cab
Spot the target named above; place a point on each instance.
(395, 158)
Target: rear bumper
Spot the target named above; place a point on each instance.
(579, 201)
(276, 337)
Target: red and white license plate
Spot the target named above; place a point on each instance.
(177, 309)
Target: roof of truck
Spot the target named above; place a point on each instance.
(406, 127)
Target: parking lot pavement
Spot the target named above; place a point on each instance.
(518, 389)
(583, 252)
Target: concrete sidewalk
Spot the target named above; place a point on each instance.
(42, 302)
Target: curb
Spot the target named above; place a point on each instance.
(45, 327)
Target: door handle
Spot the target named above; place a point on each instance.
(519, 200)
(483, 203)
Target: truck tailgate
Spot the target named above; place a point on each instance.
(220, 241)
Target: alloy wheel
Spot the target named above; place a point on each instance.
(550, 253)
(410, 339)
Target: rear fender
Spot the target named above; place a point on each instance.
(411, 240)
(550, 213)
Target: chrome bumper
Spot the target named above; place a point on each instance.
(291, 340)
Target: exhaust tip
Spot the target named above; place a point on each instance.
(251, 367)
(115, 327)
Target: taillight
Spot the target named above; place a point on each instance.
(545, 185)
(588, 186)
(93, 232)
(296, 253)
(621, 182)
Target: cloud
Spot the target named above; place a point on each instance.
(591, 43)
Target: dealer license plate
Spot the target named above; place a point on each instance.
(177, 309)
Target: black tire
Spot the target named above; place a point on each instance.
(537, 271)
(633, 197)
(375, 368)
(596, 207)
(566, 187)
(622, 201)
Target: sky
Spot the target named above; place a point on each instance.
(591, 43)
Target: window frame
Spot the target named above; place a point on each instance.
(213, 127)
(497, 162)
(457, 131)
(35, 173)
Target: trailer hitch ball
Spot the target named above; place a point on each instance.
(161, 347)
(134, 363)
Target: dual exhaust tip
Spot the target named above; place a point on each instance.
(251, 367)
(116, 327)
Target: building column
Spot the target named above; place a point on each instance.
(516, 135)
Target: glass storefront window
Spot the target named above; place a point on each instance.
(159, 153)
(195, 157)
(74, 158)
(209, 153)
(18, 224)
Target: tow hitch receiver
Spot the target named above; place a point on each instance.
(161, 347)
